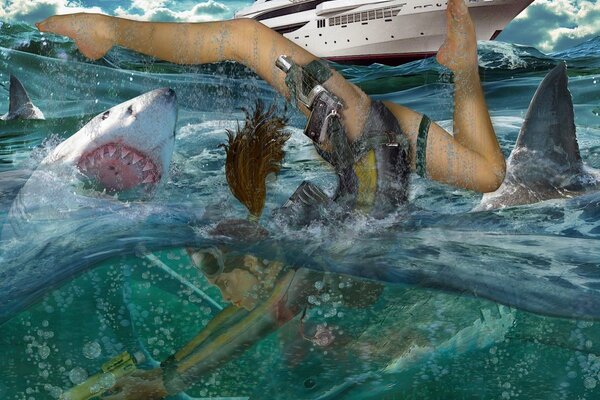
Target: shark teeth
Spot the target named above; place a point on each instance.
(151, 178)
(136, 158)
(149, 166)
(117, 167)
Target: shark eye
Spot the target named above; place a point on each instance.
(130, 109)
(105, 115)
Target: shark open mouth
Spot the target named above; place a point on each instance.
(119, 167)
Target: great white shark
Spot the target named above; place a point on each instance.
(85, 201)
(545, 162)
(20, 105)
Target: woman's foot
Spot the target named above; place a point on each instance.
(93, 33)
(459, 51)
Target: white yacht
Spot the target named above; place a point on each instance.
(368, 31)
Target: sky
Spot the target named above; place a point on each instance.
(548, 25)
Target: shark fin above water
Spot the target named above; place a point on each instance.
(20, 105)
(18, 95)
(545, 162)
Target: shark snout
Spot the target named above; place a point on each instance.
(166, 94)
(170, 93)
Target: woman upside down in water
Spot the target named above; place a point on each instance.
(371, 145)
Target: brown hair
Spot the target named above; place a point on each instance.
(253, 152)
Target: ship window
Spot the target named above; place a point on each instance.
(395, 12)
(350, 18)
(330, 21)
(379, 14)
(337, 20)
(364, 16)
(387, 13)
(388, 20)
(344, 19)
(295, 7)
(418, 7)
(371, 14)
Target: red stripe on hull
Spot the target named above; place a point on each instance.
(388, 59)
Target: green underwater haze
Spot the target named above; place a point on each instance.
(414, 342)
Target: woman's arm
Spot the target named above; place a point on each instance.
(207, 352)
(242, 40)
(471, 158)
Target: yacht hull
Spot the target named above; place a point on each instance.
(387, 32)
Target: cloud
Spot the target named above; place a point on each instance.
(553, 25)
(158, 10)
(31, 11)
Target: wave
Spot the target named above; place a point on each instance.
(493, 56)
(589, 48)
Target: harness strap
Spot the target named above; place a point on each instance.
(420, 160)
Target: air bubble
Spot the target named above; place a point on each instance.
(78, 375)
(44, 351)
(92, 350)
(589, 383)
(108, 380)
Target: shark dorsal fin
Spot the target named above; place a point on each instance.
(18, 95)
(548, 132)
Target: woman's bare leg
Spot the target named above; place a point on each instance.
(472, 124)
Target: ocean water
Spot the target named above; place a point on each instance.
(473, 305)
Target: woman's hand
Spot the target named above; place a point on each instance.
(94, 34)
(142, 385)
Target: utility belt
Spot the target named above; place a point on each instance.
(373, 170)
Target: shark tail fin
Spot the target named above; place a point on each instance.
(18, 95)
